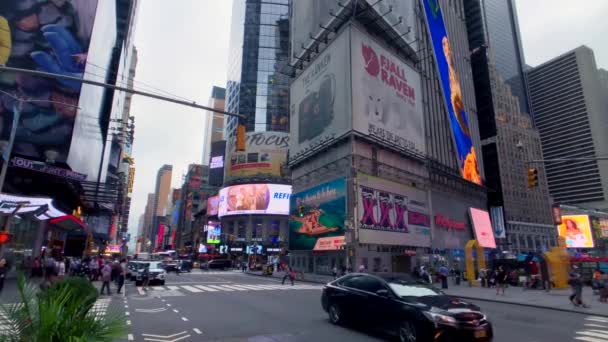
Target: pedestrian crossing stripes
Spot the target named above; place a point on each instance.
(596, 330)
(193, 288)
(217, 273)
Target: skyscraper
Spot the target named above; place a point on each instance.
(213, 123)
(161, 194)
(499, 28)
(569, 105)
(259, 48)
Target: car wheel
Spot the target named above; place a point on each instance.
(407, 332)
(335, 314)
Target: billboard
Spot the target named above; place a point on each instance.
(387, 98)
(217, 163)
(316, 213)
(320, 98)
(576, 230)
(213, 205)
(302, 27)
(50, 36)
(265, 155)
(272, 199)
(482, 226)
(214, 232)
(392, 213)
(452, 93)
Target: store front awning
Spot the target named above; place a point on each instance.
(68, 222)
(41, 207)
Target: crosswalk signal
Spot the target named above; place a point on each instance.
(301, 210)
(240, 138)
(4, 237)
(532, 177)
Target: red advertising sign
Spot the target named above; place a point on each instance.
(446, 222)
(161, 232)
(329, 243)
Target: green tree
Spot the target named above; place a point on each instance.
(62, 313)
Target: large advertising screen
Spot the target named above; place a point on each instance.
(391, 212)
(320, 98)
(317, 213)
(214, 232)
(387, 99)
(452, 93)
(213, 203)
(576, 230)
(264, 157)
(217, 163)
(482, 225)
(51, 36)
(244, 199)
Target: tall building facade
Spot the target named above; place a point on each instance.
(498, 26)
(213, 123)
(161, 195)
(569, 105)
(257, 88)
(521, 215)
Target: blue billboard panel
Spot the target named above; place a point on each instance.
(316, 213)
(51, 36)
(452, 92)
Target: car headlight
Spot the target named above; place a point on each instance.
(439, 318)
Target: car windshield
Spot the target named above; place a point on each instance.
(411, 289)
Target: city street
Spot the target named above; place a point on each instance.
(231, 306)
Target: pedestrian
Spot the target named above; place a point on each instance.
(106, 277)
(36, 268)
(443, 274)
(122, 274)
(334, 272)
(243, 266)
(501, 280)
(93, 269)
(60, 266)
(604, 288)
(425, 276)
(576, 282)
(596, 281)
(3, 272)
(289, 273)
(361, 268)
(145, 276)
(49, 268)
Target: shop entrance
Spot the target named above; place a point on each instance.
(401, 263)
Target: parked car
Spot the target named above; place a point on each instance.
(217, 264)
(405, 307)
(156, 273)
(132, 267)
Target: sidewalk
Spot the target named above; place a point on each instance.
(554, 300)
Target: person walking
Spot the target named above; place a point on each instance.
(60, 266)
(106, 277)
(289, 273)
(501, 281)
(361, 268)
(36, 268)
(576, 283)
(145, 276)
(122, 274)
(443, 274)
(334, 272)
(93, 269)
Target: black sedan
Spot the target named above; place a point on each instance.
(404, 306)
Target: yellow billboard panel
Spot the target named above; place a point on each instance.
(576, 230)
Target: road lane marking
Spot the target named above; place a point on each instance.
(141, 291)
(185, 319)
(221, 288)
(128, 322)
(167, 336)
(596, 325)
(130, 337)
(597, 319)
(173, 288)
(197, 331)
(251, 287)
(234, 288)
(126, 306)
(589, 339)
(205, 288)
(176, 311)
(157, 310)
(594, 333)
(169, 305)
(127, 313)
(191, 288)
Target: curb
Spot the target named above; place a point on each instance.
(533, 306)
(279, 279)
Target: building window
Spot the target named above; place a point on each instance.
(257, 229)
(274, 230)
(241, 230)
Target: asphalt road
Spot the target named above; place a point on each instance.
(224, 306)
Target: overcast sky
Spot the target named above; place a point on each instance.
(183, 49)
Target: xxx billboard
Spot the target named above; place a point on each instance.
(387, 99)
(320, 99)
(50, 36)
(264, 156)
(318, 212)
(452, 92)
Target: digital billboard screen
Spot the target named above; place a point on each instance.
(245, 199)
(214, 232)
(213, 205)
(217, 163)
(576, 230)
(54, 37)
(482, 225)
(452, 93)
(317, 213)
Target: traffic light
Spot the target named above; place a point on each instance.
(4, 237)
(301, 210)
(532, 177)
(240, 138)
